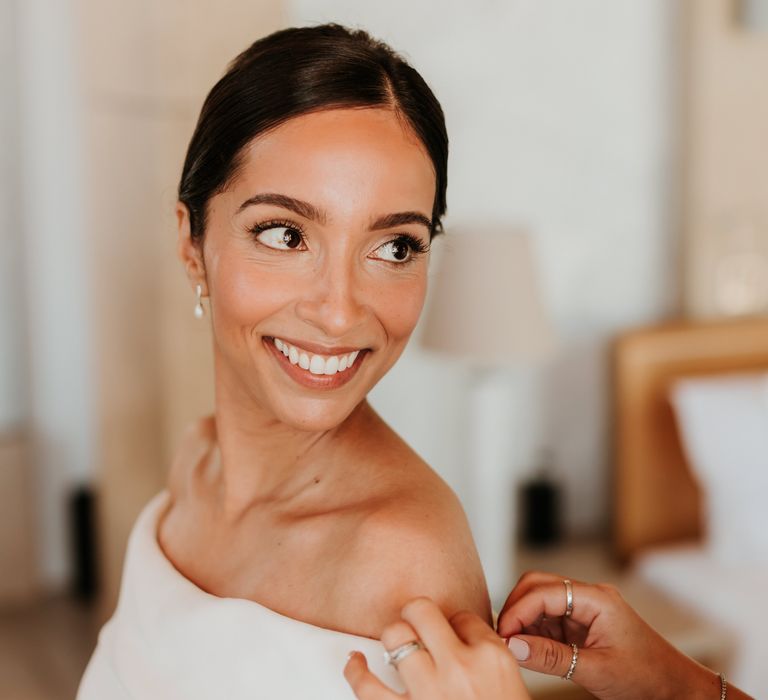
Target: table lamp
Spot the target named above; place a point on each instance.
(486, 310)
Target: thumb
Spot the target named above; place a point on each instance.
(545, 655)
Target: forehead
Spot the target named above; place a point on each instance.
(343, 159)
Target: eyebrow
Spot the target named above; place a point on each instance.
(309, 211)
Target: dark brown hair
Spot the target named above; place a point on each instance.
(292, 72)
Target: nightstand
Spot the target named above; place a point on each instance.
(591, 561)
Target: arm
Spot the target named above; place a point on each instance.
(423, 550)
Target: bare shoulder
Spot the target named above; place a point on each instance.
(417, 544)
(198, 438)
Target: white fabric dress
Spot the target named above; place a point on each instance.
(170, 640)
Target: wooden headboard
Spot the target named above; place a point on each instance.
(656, 499)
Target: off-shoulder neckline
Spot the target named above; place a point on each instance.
(160, 504)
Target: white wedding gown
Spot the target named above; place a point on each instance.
(170, 640)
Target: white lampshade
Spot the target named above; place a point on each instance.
(485, 305)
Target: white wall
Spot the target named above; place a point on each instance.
(57, 311)
(13, 400)
(559, 120)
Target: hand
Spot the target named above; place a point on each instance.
(464, 659)
(620, 655)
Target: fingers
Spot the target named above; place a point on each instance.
(416, 668)
(554, 658)
(529, 580)
(548, 599)
(465, 656)
(433, 629)
(471, 629)
(364, 684)
(490, 654)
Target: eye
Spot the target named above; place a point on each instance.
(278, 235)
(395, 251)
(401, 249)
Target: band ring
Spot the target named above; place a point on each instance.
(395, 656)
(568, 597)
(574, 659)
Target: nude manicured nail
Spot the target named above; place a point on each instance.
(519, 648)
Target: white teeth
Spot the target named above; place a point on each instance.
(316, 364)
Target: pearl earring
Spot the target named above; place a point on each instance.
(199, 311)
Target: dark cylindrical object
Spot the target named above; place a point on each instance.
(540, 513)
(83, 540)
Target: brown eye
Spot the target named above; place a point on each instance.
(400, 250)
(291, 238)
(397, 250)
(280, 237)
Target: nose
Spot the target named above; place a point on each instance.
(334, 301)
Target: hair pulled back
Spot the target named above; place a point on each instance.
(295, 71)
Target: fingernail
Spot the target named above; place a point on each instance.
(350, 655)
(519, 648)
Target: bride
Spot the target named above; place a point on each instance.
(296, 523)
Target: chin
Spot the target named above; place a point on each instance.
(316, 415)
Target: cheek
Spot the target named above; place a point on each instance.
(400, 308)
(243, 294)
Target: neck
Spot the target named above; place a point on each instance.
(261, 461)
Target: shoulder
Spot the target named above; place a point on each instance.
(419, 544)
(195, 444)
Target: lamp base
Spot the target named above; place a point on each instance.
(492, 504)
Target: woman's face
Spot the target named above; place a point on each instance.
(312, 262)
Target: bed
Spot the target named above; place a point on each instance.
(663, 510)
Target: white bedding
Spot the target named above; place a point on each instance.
(733, 596)
(723, 422)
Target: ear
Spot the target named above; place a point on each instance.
(189, 251)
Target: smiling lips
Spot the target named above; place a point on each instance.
(316, 364)
(315, 370)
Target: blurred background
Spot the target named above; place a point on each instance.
(622, 143)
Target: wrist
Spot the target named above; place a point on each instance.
(682, 678)
(699, 683)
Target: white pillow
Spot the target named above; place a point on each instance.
(723, 423)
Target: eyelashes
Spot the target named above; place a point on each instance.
(276, 223)
(416, 246)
